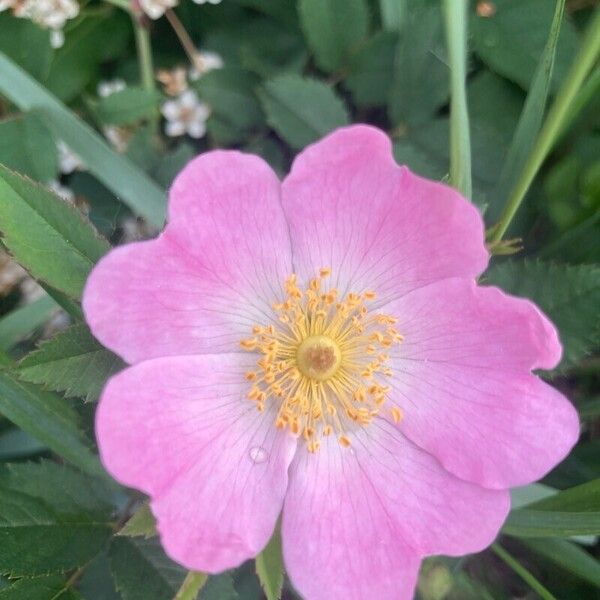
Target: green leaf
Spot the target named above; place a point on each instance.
(370, 70)
(191, 586)
(530, 121)
(419, 160)
(269, 567)
(512, 40)
(49, 419)
(27, 44)
(46, 587)
(392, 13)
(28, 147)
(23, 321)
(420, 81)
(72, 362)
(78, 61)
(62, 488)
(581, 498)
(47, 235)
(234, 105)
(128, 106)
(142, 523)
(302, 110)
(590, 409)
(569, 295)
(333, 28)
(36, 539)
(15, 443)
(526, 522)
(142, 570)
(96, 582)
(219, 587)
(569, 556)
(118, 173)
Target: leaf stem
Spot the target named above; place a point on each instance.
(455, 13)
(192, 584)
(520, 570)
(184, 38)
(557, 117)
(144, 52)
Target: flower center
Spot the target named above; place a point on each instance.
(318, 357)
(323, 361)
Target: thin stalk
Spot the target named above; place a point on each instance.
(184, 38)
(144, 52)
(455, 13)
(520, 570)
(557, 117)
(192, 584)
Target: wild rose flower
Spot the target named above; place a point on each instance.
(320, 347)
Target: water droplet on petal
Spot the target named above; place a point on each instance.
(258, 454)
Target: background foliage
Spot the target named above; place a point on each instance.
(292, 71)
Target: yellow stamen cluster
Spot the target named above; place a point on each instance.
(324, 361)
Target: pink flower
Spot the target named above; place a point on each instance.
(320, 347)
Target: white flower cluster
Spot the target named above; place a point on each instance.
(185, 114)
(157, 8)
(51, 14)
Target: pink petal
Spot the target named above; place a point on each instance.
(181, 430)
(208, 278)
(462, 378)
(377, 225)
(357, 521)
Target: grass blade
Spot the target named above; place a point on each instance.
(526, 522)
(191, 586)
(531, 118)
(455, 12)
(569, 556)
(117, 172)
(522, 572)
(559, 115)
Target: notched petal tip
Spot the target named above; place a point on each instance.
(370, 142)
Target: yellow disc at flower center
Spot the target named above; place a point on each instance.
(318, 357)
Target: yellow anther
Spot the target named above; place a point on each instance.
(396, 414)
(320, 361)
(249, 344)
